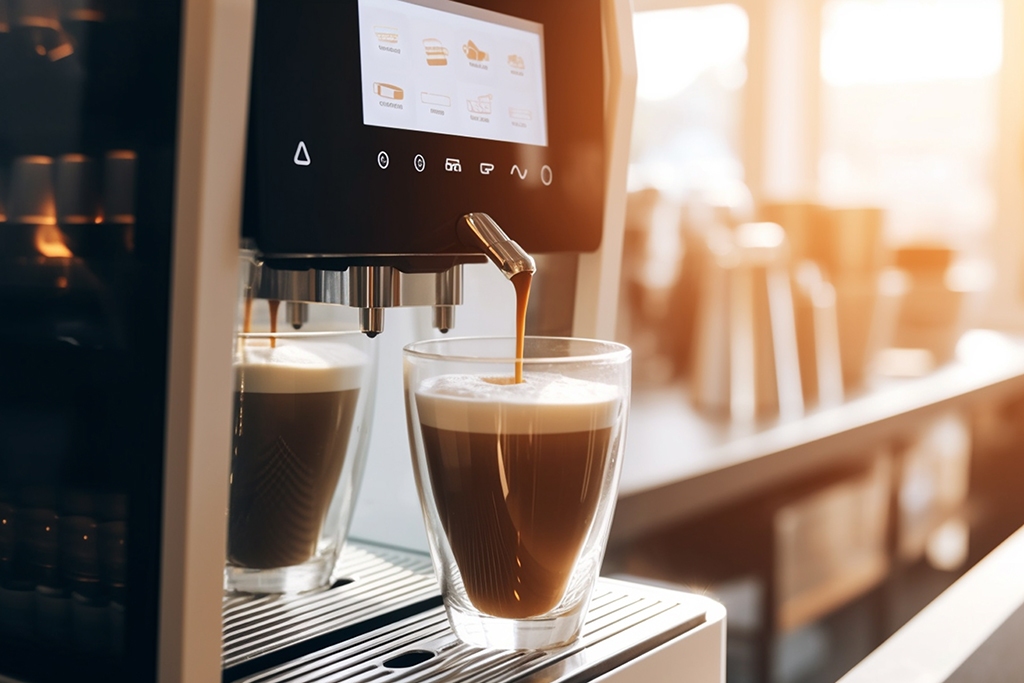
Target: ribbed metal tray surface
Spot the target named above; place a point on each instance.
(382, 621)
(624, 621)
(370, 581)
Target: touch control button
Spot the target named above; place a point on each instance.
(521, 172)
(419, 163)
(545, 174)
(383, 159)
(301, 157)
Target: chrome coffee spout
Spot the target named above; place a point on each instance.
(479, 231)
(371, 289)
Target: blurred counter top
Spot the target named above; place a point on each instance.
(680, 463)
(972, 632)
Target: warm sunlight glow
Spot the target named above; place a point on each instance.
(674, 47)
(50, 242)
(910, 41)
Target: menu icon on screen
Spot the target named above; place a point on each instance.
(437, 54)
(475, 54)
(388, 91)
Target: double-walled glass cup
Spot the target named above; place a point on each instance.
(517, 481)
(303, 407)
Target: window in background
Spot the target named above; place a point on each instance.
(691, 67)
(910, 112)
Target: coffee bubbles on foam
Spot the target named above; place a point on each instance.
(305, 368)
(544, 403)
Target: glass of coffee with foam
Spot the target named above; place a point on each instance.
(517, 481)
(303, 406)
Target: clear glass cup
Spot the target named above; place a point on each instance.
(303, 409)
(517, 482)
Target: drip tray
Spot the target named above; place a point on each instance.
(382, 620)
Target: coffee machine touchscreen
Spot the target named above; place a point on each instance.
(376, 124)
(445, 67)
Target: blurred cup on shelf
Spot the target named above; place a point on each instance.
(76, 189)
(853, 240)
(802, 222)
(517, 481)
(746, 360)
(119, 169)
(944, 291)
(817, 332)
(868, 307)
(30, 198)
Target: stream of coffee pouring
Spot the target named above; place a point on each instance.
(480, 231)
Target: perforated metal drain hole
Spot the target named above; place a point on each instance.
(408, 659)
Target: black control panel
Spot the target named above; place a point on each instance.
(321, 181)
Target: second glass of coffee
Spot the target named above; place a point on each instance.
(303, 404)
(517, 481)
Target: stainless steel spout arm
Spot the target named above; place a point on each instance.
(479, 231)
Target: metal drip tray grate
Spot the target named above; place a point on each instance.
(370, 583)
(408, 640)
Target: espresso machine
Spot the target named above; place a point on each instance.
(140, 145)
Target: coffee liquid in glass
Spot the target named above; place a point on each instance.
(516, 472)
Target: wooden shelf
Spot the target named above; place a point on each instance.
(680, 463)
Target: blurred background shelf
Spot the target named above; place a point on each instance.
(680, 463)
(824, 533)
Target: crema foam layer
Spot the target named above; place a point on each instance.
(298, 367)
(544, 403)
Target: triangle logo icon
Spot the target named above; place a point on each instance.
(301, 155)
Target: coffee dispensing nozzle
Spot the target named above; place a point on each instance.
(373, 288)
(478, 230)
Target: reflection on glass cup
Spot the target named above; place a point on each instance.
(76, 189)
(119, 186)
(41, 20)
(302, 415)
(517, 481)
(82, 10)
(31, 191)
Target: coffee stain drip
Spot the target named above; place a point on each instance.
(521, 282)
(274, 305)
(247, 317)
